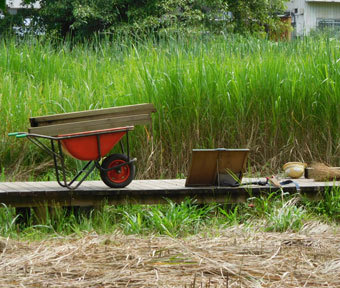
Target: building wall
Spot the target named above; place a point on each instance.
(16, 4)
(297, 10)
(307, 14)
(321, 11)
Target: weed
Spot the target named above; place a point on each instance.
(8, 219)
(271, 213)
(286, 216)
(328, 206)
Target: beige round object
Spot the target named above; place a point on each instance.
(294, 169)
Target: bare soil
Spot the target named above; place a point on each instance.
(234, 257)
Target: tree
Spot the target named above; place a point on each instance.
(16, 23)
(2, 4)
(255, 15)
(83, 18)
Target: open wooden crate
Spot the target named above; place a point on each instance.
(217, 167)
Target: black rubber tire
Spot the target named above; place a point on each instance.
(124, 178)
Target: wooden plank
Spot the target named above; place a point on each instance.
(77, 127)
(203, 167)
(94, 193)
(232, 160)
(49, 186)
(121, 111)
(158, 185)
(141, 185)
(24, 187)
(8, 186)
(174, 184)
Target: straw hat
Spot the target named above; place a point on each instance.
(294, 169)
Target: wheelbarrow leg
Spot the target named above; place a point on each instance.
(122, 147)
(85, 176)
(56, 165)
(128, 146)
(64, 183)
(83, 171)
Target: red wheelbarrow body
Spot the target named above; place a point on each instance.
(85, 147)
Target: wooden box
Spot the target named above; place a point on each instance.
(217, 167)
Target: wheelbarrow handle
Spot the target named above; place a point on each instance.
(18, 134)
(21, 135)
(13, 133)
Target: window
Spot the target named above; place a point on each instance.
(328, 23)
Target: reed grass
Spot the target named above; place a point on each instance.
(281, 100)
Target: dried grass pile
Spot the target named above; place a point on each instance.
(235, 258)
(322, 172)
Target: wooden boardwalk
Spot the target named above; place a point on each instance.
(93, 193)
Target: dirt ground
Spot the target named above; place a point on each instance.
(234, 257)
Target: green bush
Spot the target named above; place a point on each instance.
(85, 18)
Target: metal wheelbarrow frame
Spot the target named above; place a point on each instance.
(116, 170)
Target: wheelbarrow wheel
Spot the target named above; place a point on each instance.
(120, 177)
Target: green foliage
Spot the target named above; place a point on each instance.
(83, 18)
(232, 216)
(271, 213)
(328, 206)
(286, 216)
(7, 221)
(11, 24)
(2, 5)
(173, 219)
(56, 16)
(255, 15)
(262, 206)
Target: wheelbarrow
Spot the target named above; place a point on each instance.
(116, 170)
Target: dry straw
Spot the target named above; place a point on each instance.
(322, 172)
(236, 257)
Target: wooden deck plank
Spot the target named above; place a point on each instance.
(93, 193)
(25, 186)
(175, 183)
(156, 185)
(140, 185)
(49, 186)
(8, 187)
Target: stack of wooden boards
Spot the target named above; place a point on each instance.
(91, 120)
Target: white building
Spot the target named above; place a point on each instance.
(311, 14)
(14, 5)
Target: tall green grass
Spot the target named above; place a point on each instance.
(282, 100)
